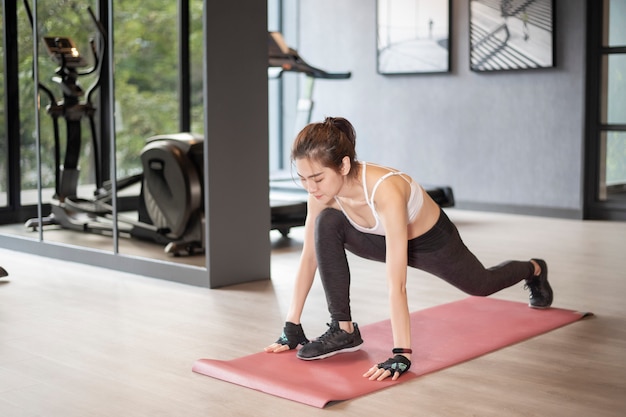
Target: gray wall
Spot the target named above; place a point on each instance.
(507, 141)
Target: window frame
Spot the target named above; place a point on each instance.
(595, 205)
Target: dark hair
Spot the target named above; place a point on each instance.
(327, 142)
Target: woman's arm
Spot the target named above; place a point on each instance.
(391, 200)
(307, 266)
(305, 274)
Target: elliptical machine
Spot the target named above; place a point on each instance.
(170, 205)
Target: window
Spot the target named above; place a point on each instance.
(613, 102)
(605, 195)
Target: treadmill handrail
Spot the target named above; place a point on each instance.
(287, 59)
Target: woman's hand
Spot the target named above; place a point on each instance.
(276, 348)
(392, 367)
(292, 336)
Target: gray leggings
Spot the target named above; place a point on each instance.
(440, 251)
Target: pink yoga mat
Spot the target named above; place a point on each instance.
(442, 336)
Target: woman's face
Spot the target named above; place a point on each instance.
(321, 182)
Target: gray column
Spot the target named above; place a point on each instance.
(236, 141)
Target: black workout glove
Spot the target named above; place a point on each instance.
(293, 335)
(398, 363)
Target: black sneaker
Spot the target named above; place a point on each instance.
(334, 341)
(540, 291)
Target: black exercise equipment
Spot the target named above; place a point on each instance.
(172, 192)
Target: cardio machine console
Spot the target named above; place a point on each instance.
(63, 50)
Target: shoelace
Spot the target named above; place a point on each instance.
(533, 285)
(330, 332)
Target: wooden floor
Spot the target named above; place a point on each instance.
(81, 341)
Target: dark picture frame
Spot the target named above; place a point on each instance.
(413, 36)
(511, 35)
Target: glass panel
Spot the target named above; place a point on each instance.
(614, 104)
(616, 158)
(613, 180)
(616, 15)
(196, 66)
(163, 211)
(4, 162)
(65, 63)
(274, 90)
(146, 76)
(28, 150)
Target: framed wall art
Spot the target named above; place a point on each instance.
(413, 36)
(511, 34)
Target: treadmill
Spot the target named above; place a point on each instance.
(287, 199)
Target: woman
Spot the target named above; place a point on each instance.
(381, 214)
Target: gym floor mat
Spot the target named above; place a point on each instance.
(442, 336)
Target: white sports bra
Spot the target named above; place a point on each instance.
(416, 200)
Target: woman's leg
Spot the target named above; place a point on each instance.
(442, 252)
(333, 235)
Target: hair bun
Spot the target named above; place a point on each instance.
(345, 126)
